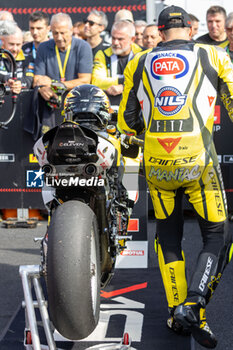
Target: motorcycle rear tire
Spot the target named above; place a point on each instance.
(73, 270)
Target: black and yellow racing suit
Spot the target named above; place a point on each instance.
(175, 85)
(108, 70)
(24, 70)
(103, 74)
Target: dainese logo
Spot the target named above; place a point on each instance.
(172, 65)
(169, 100)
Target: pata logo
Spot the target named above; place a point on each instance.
(167, 64)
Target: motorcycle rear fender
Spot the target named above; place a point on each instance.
(117, 144)
(40, 152)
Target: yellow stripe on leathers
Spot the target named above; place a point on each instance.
(162, 200)
(174, 280)
(128, 73)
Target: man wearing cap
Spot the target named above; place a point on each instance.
(175, 85)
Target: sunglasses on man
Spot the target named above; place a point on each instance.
(91, 23)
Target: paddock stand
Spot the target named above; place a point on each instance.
(30, 276)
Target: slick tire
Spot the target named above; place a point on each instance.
(73, 266)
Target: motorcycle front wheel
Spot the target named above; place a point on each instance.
(73, 270)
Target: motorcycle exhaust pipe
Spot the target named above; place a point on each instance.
(48, 169)
(90, 169)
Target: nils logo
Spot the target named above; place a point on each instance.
(169, 100)
(169, 64)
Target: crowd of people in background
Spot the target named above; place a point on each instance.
(85, 52)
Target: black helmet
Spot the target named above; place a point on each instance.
(87, 104)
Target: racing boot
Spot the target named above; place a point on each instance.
(191, 314)
(175, 326)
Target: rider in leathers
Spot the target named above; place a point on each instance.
(175, 86)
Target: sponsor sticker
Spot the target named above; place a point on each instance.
(178, 174)
(7, 157)
(169, 143)
(216, 182)
(133, 252)
(206, 274)
(169, 101)
(133, 225)
(135, 255)
(228, 159)
(32, 158)
(217, 115)
(211, 99)
(171, 162)
(71, 143)
(169, 64)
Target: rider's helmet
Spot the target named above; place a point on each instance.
(87, 104)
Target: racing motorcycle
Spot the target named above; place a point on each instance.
(89, 207)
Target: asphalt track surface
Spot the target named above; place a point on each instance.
(18, 248)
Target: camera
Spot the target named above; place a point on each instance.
(4, 90)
